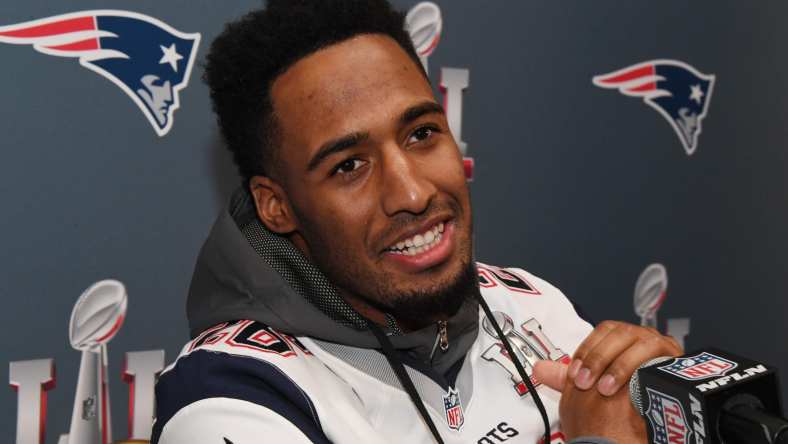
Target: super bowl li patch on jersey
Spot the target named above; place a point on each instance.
(453, 406)
(701, 366)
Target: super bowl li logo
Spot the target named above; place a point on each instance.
(528, 341)
(147, 59)
(650, 293)
(424, 23)
(95, 320)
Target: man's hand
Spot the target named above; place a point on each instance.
(606, 360)
(613, 351)
(587, 413)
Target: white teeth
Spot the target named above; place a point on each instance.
(429, 237)
(413, 250)
(420, 242)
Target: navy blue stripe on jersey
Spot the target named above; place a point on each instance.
(207, 374)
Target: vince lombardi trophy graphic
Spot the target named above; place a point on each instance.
(96, 318)
(424, 24)
(650, 291)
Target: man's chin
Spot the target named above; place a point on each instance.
(436, 301)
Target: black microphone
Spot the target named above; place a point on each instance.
(709, 397)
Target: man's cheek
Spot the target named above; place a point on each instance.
(452, 176)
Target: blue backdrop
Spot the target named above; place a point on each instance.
(581, 185)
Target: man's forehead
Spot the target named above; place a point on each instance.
(348, 84)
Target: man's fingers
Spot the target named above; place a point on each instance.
(621, 369)
(596, 360)
(596, 336)
(613, 351)
(551, 374)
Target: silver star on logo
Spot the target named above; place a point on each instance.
(171, 56)
(697, 93)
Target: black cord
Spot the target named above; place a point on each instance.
(782, 437)
(519, 366)
(404, 379)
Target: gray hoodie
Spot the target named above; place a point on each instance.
(244, 271)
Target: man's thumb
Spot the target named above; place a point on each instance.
(551, 374)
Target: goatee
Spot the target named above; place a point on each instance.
(432, 305)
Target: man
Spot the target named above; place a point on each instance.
(337, 299)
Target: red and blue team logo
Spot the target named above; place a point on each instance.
(453, 407)
(701, 366)
(667, 418)
(146, 58)
(679, 92)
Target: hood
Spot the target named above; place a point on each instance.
(245, 271)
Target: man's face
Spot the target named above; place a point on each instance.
(373, 177)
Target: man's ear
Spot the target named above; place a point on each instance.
(273, 209)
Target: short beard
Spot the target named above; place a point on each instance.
(416, 308)
(436, 303)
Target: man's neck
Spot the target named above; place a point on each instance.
(379, 317)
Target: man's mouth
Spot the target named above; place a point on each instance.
(425, 250)
(419, 243)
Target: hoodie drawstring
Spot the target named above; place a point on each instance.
(526, 379)
(404, 379)
(402, 375)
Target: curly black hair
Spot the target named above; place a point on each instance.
(253, 51)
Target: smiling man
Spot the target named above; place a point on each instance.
(369, 183)
(337, 298)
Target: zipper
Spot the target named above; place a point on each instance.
(443, 336)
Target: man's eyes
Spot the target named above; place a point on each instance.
(347, 166)
(422, 133)
(350, 166)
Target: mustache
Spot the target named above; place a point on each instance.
(402, 221)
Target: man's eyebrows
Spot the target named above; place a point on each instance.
(336, 146)
(348, 141)
(416, 111)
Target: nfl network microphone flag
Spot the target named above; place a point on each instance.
(146, 58)
(682, 399)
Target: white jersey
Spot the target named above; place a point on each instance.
(243, 382)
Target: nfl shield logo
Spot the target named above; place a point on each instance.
(701, 366)
(668, 422)
(453, 406)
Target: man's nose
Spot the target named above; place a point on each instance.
(406, 185)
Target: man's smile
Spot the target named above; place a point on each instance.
(420, 242)
(424, 250)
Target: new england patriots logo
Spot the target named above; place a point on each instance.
(675, 89)
(146, 58)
